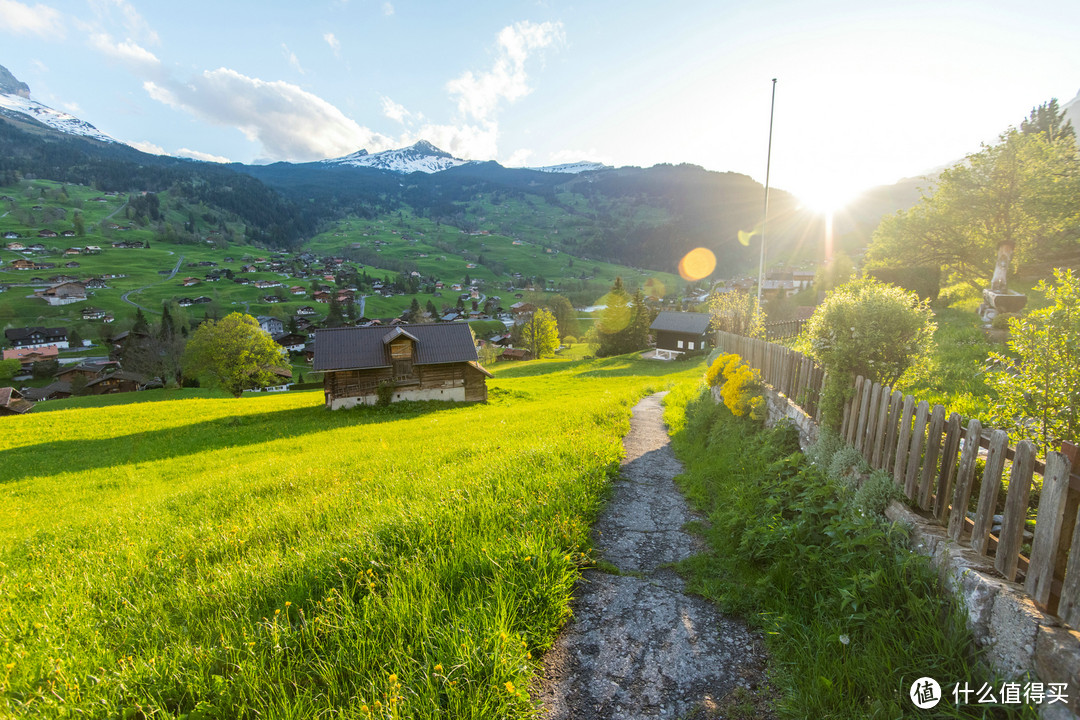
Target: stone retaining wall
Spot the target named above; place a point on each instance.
(1018, 638)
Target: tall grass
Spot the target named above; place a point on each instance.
(852, 618)
(263, 557)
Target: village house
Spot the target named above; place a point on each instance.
(93, 313)
(63, 294)
(420, 362)
(305, 310)
(37, 337)
(13, 403)
(53, 391)
(272, 325)
(680, 332)
(293, 342)
(28, 356)
(24, 264)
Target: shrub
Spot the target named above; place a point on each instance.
(739, 384)
(870, 329)
(384, 392)
(1039, 389)
(1001, 321)
(874, 495)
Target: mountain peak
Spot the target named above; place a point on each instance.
(10, 85)
(421, 156)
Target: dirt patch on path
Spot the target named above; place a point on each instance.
(638, 646)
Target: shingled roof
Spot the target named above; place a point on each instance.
(682, 322)
(355, 348)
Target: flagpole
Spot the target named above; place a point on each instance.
(765, 214)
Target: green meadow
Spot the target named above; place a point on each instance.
(218, 558)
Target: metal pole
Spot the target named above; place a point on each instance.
(765, 215)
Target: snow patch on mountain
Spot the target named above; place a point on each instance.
(421, 157)
(62, 121)
(572, 168)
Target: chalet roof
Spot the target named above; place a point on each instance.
(682, 322)
(16, 334)
(350, 348)
(11, 399)
(62, 387)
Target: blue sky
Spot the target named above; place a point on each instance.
(868, 91)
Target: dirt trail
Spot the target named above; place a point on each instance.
(638, 646)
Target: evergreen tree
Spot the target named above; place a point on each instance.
(168, 326)
(334, 317)
(141, 325)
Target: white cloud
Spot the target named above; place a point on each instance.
(205, 157)
(469, 142)
(333, 42)
(564, 157)
(387, 9)
(479, 94)
(291, 57)
(111, 13)
(519, 158)
(73, 107)
(147, 147)
(138, 58)
(289, 122)
(37, 20)
(395, 111)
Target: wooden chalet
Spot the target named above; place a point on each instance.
(680, 332)
(422, 362)
(13, 403)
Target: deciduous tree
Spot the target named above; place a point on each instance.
(540, 333)
(233, 353)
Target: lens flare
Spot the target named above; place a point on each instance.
(696, 264)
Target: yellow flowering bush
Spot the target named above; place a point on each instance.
(739, 385)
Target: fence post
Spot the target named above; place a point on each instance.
(866, 440)
(903, 444)
(948, 467)
(930, 457)
(1016, 502)
(965, 477)
(879, 428)
(891, 430)
(852, 414)
(988, 493)
(864, 413)
(914, 461)
(1040, 575)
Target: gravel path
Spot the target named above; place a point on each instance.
(638, 646)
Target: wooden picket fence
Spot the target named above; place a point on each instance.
(790, 372)
(932, 458)
(783, 329)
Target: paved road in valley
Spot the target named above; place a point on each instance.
(171, 275)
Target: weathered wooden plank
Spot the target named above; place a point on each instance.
(1069, 605)
(1016, 502)
(965, 478)
(949, 450)
(864, 414)
(871, 420)
(930, 456)
(1072, 506)
(903, 443)
(891, 429)
(988, 493)
(914, 461)
(1048, 525)
(853, 414)
(878, 443)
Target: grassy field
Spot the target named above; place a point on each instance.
(437, 251)
(263, 557)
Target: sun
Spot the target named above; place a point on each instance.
(825, 199)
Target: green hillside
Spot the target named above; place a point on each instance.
(265, 557)
(186, 233)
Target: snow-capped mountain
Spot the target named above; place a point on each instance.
(573, 168)
(421, 157)
(15, 98)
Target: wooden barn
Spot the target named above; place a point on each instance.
(422, 362)
(680, 332)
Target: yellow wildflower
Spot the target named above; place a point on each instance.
(392, 678)
(509, 686)
(438, 667)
